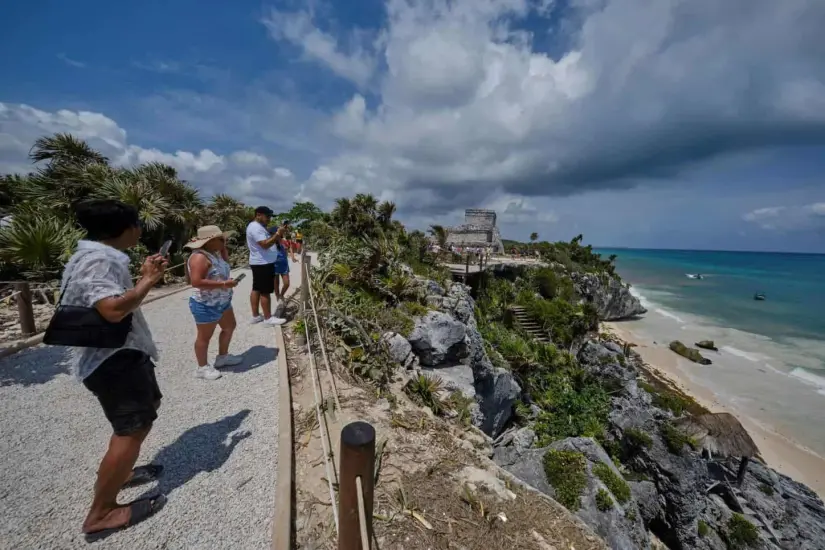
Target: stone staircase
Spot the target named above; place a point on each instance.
(525, 322)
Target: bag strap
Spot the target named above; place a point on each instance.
(65, 285)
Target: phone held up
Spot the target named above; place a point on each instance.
(240, 277)
(164, 250)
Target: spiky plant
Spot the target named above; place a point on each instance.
(425, 390)
(38, 244)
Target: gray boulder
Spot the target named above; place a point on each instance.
(648, 500)
(460, 304)
(399, 348)
(438, 338)
(611, 298)
(521, 439)
(496, 393)
(621, 525)
(606, 364)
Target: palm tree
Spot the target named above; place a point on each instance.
(65, 149)
(385, 212)
(440, 234)
(534, 237)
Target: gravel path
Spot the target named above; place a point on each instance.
(217, 440)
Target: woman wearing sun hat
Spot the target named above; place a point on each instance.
(211, 300)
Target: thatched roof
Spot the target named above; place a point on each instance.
(721, 433)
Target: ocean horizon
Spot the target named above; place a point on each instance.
(771, 363)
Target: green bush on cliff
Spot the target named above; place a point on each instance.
(565, 321)
(741, 533)
(636, 440)
(603, 500)
(675, 440)
(566, 472)
(613, 481)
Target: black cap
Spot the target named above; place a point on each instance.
(264, 210)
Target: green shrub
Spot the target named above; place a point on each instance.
(636, 440)
(424, 390)
(767, 489)
(675, 440)
(631, 514)
(617, 485)
(564, 320)
(460, 403)
(603, 500)
(565, 471)
(703, 528)
(668, 399)
(299, 328)
(414, 309)
(741, 533)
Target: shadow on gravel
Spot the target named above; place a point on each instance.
(253, 358)
(36, 365)
(203, 448)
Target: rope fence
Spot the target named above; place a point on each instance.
(356, 461)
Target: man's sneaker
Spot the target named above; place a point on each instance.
(207, 373)
(275, 321)
(257, 319)
(227, 360)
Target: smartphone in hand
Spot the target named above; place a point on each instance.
(240, 277)
(164, 250)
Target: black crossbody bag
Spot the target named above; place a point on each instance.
(85, 327)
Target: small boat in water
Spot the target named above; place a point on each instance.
(694, 276)
(759, 296)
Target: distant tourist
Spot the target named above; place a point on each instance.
(211, 300)
(262, 258)
(123, 378)
(285, 253)
(299, 241)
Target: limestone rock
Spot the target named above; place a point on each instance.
(496, 392)
(707, 344)
(399, 348)
(611, 298)
(621, 525)
(438, 338)
(689, 353)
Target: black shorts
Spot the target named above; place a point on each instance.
(127, 389)
(263, 278)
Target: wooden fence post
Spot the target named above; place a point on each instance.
(24, 309)
(306, 260)
(467, 267)
(357, 460)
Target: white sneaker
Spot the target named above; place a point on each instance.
(256, 320)
(207, 373)
(227, 360)
(275, 321)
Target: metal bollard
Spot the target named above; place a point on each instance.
(357, 460)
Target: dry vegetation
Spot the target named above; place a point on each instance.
(435, 485)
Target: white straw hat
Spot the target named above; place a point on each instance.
(206, 234)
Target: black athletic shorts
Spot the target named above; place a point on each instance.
(263, 278)
(127, 389)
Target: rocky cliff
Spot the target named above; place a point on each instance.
(652, 480)
(686, 498)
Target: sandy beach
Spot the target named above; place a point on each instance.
(780, 452)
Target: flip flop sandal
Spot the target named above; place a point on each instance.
(144, 474)
(141, 509)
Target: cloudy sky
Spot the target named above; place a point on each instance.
(640, 123)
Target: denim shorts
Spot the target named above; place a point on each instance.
(205, 314)
(282, 267)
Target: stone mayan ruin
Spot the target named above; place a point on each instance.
(478, 230)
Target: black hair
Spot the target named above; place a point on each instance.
(105, 219)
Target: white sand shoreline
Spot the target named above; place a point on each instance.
(780, 452)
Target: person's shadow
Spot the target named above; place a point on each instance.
(254, 357)
(203, 448)
(33, 366)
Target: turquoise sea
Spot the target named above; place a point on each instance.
(771, 362)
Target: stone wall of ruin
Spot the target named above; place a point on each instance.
(478, 216)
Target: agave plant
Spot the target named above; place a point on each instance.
(38, 246)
